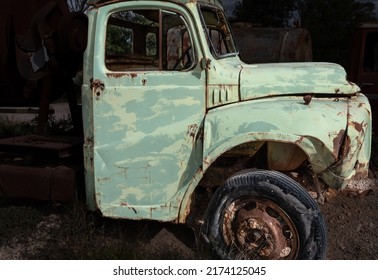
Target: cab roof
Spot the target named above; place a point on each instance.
(99, 3)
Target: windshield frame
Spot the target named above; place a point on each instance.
(227, 41)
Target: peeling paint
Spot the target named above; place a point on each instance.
(358, 126)
(157, 133)
(338, 142)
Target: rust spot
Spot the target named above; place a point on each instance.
(307, 99)
(341, 145)
(284, 156)
(97, 85)
(120, 75)
(115, 75)
(345, 147)
(357, 126)
(130, 207)
(104, 179)
(192, 129)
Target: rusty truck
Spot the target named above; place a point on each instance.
(172, 126)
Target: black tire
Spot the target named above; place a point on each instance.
(260, 214)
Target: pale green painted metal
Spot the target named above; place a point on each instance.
(313, 128)
(150, 136)
(182, 2)
(145, 133)
(296, 78)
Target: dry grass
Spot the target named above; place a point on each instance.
(35, 230)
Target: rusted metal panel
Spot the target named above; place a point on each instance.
(38, 167)
(41, 44)
(52, 147)
(43, 183)
(284, 156)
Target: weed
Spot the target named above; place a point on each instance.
(10, 127)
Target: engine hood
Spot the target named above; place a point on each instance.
(261, 80)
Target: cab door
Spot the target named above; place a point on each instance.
(148, 103)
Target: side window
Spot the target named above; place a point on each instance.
(219, 36)
(217, 41)
(148, 40)
(371, 53)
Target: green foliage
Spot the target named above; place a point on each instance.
(118, 40)
(11, 128)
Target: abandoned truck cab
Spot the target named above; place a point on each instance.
(178, 129)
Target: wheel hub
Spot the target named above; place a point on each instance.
(259, 230)
(261, 233)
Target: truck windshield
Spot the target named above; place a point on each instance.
(218, 34)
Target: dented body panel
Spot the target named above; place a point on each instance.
(145, 128)
(293, 123)
(154, 136)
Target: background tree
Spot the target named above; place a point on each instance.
(331, 24)
(77, 5)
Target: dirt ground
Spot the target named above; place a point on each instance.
(30, 230)
(352, 226)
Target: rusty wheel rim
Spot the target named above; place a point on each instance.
(257, 228)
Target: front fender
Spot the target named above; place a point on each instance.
(316, 128)
(334, 134)
(352, 167)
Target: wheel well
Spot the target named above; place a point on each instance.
(287, 158)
